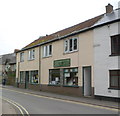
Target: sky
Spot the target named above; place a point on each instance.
(23, 21)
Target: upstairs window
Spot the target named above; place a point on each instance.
(115, 45)
(31, 54)
(71, 45)
(75, 44)
(115, 79)
(22, 57)
(66, 46)
(47, 51)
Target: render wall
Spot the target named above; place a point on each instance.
(83, 57)
(103, 62)
(27, 65)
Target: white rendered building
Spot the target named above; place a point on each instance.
(107, 55)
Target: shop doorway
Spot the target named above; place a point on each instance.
(87, 81)
(26, 79)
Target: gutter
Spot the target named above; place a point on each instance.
(71, 34)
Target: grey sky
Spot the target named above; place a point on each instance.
(23, 21)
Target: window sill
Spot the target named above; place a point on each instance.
(114, 88)
(70, 52)
(114, 55)
(75, 86)
(47, 56)
(31, 59)
(21, 61)
(53, 85)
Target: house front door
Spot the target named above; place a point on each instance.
(87, 81)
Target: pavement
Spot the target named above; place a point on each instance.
(8, 109)
(5, 107)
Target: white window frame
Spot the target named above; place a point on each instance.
(31, 54)
(68, 45)
(22, 57)
(49, 52)
(46, 50)
(74, 43)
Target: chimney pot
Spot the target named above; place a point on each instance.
(109, 8)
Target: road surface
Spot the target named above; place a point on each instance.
(36, 104)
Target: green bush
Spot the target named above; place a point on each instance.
(11, 77)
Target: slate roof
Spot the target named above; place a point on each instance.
(114, 15)
(8, 58)
(84, 25)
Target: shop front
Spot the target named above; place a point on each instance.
(64, 76)
(63, 79)
(29, 79)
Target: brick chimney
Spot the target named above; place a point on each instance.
(109, 8)
(16, 50)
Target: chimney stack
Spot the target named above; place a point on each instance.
(16, 50)
(109, 8)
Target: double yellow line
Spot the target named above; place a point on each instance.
(18, 106)
(69, 101)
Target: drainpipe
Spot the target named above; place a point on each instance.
(40, 68)
(18, 74)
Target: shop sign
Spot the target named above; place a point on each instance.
(62, 63)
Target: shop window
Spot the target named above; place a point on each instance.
(47, 51)
(54, 78)
(22, 57)
(71, 77)
(115, 45)
(115, 79)
(71, 45)
(22, 77)
(31, 54)
(34, 77)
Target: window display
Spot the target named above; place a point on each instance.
(54, 77)
(67, 77)
(34, 77)
(71, 76)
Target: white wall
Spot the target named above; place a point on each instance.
(102, 61)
